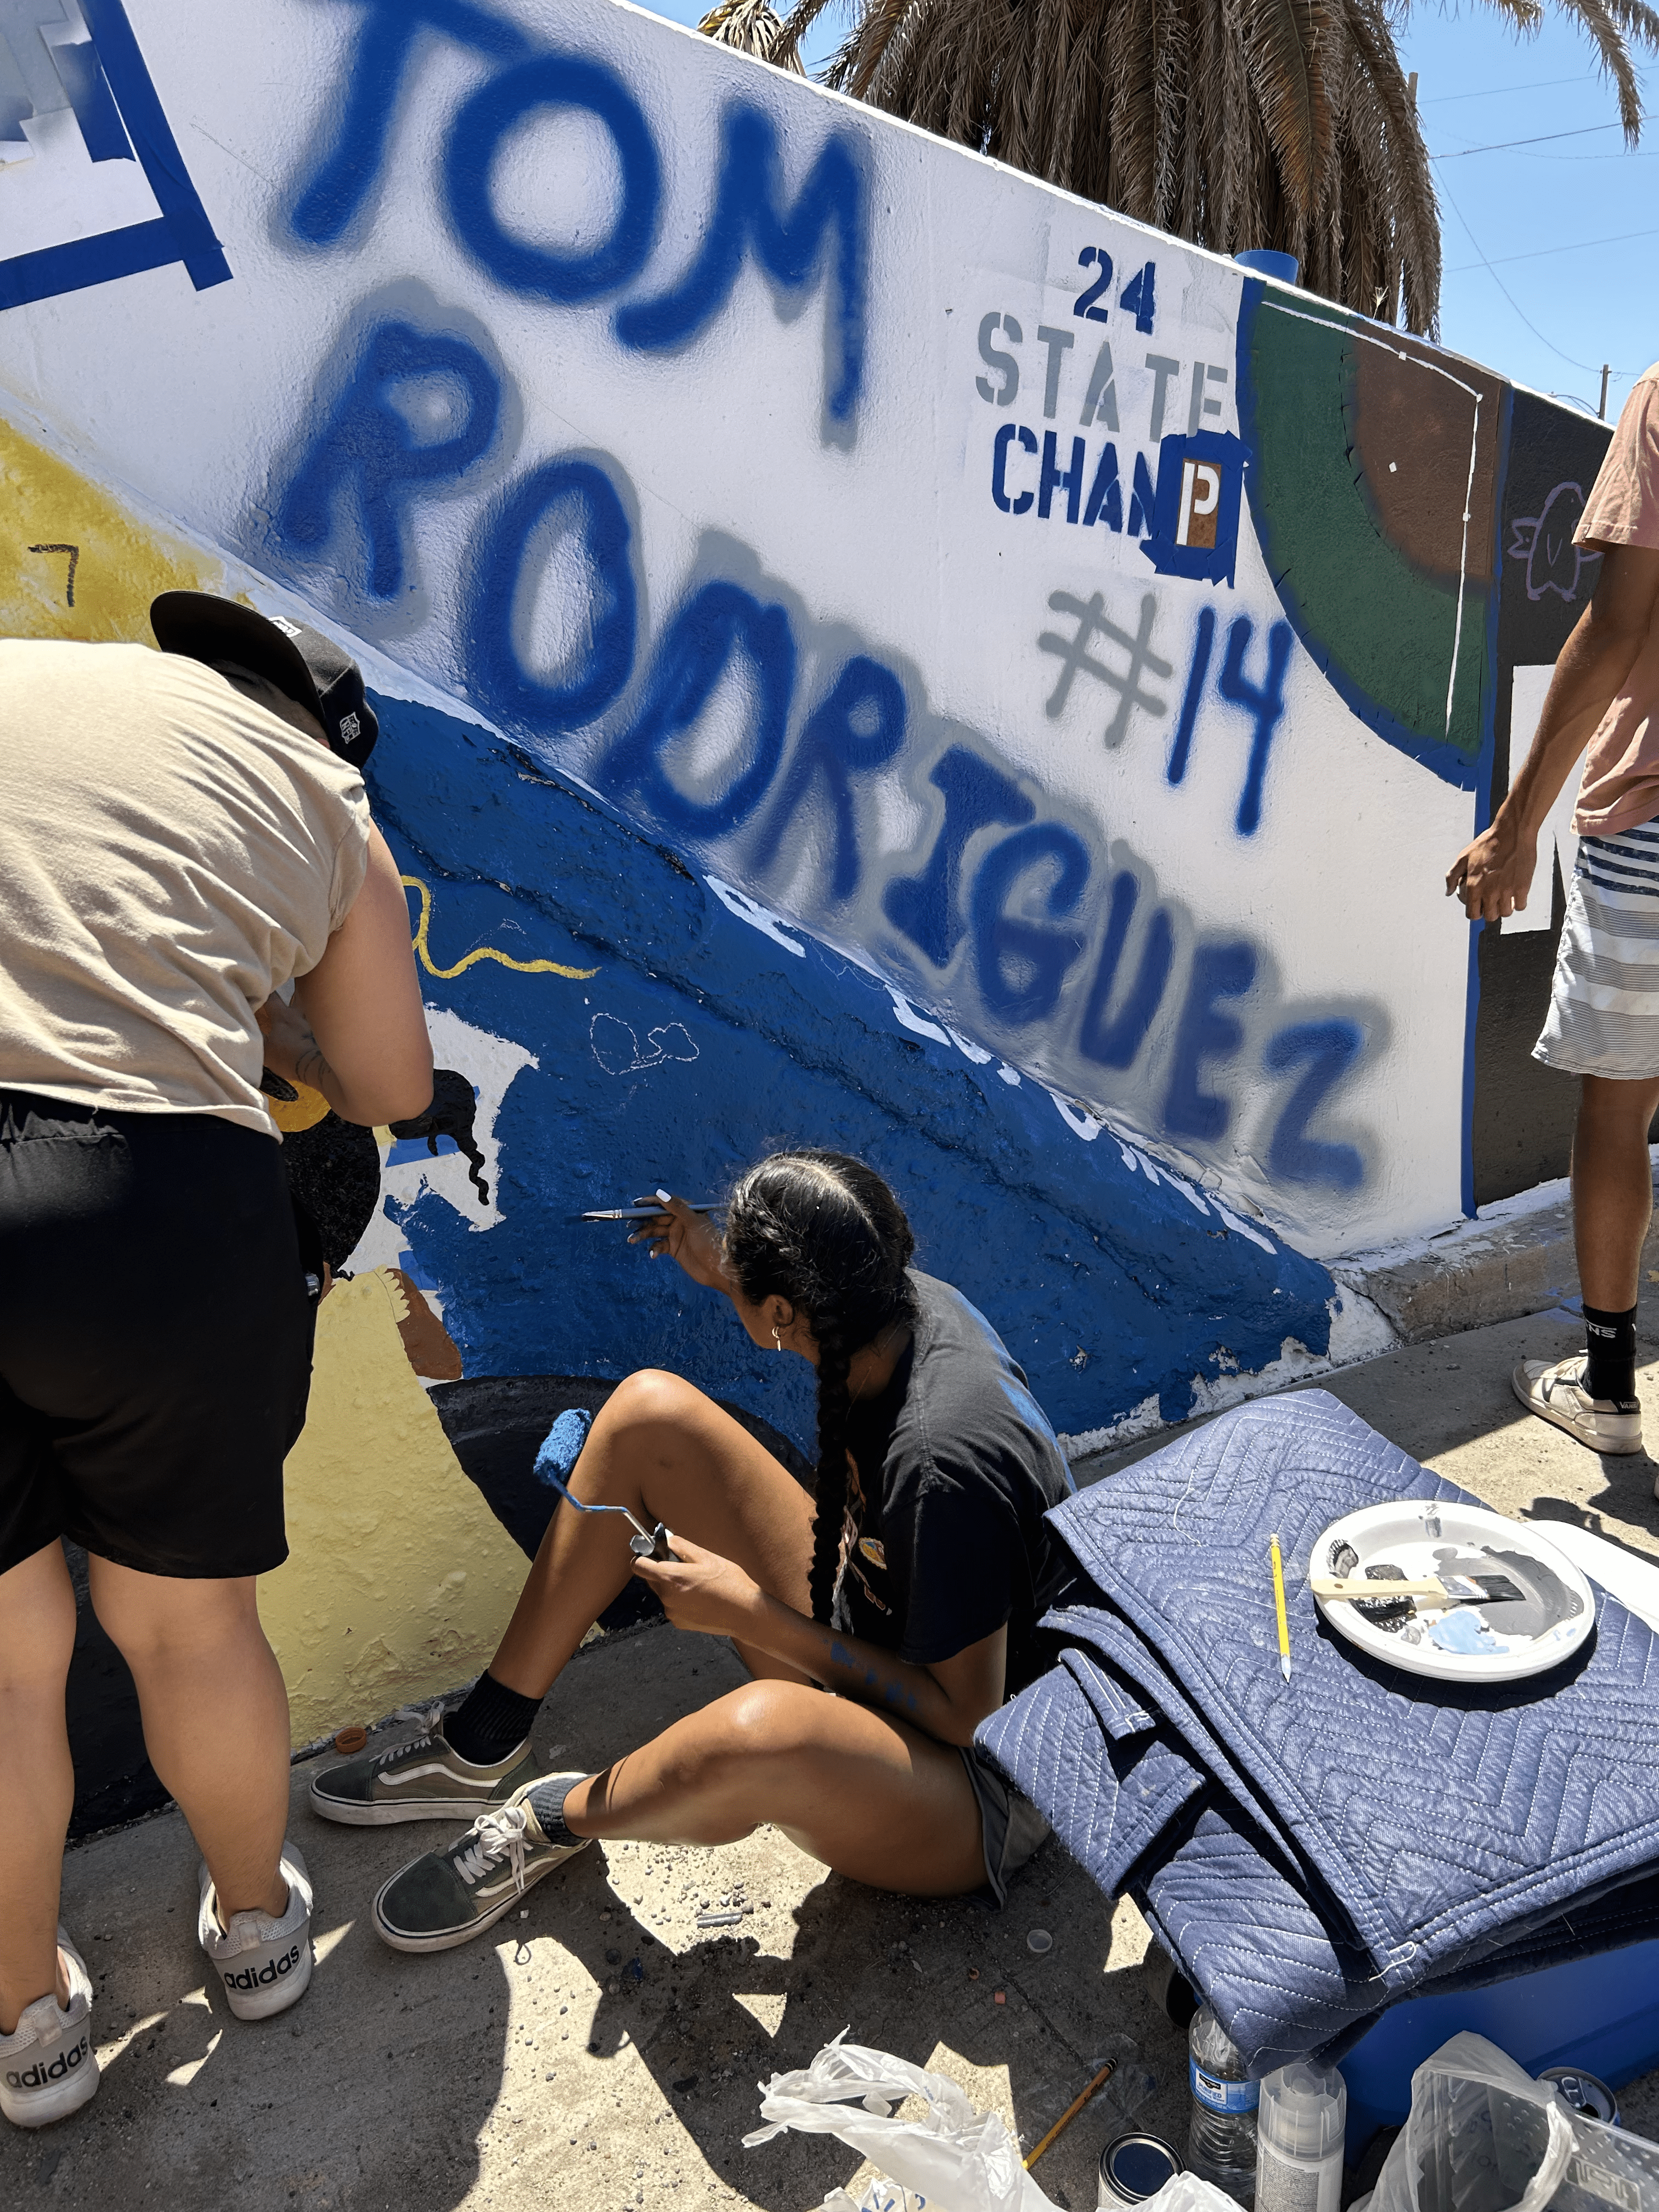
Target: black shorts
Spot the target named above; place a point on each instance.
(156, 1333)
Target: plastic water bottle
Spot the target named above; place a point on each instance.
(1221, 2140)
(1300, 2125)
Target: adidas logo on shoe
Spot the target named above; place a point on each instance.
(261, 1978)
(41, 2075)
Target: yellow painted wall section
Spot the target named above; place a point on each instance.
(74, 561)
(400, 1579)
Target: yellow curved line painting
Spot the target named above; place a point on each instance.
(483, 952)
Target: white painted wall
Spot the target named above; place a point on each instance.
(881, 537)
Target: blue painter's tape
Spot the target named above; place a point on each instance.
(89, 95)
(85, 261)
(158, 150)
(182, 232)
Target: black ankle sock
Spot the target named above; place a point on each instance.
(1611, 1373)
(491, 1722)
(546, 1802)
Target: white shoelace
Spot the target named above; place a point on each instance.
(423, 1744)
(494, 1837)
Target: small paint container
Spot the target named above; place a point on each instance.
(1135, 2167)
(1584, 2094)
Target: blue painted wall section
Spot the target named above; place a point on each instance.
(1110, 1280)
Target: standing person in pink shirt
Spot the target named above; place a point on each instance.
(1603, 1023)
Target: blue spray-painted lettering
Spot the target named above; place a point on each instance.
(1204, 1033)
(720, 626)
(580, 498)
(1327, 1049)
(976, 796)
(1143, 500)
(860, 727)
(368, 447)
(373, 80)
(1265, 703)
(474, 139)
(1106, 493)
(1052, 478)
(1000, 445)
(1181, 749)
(789, 246)
(1022, 964)
(1115, 1043)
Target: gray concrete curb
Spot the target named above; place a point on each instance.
(1517, 1259)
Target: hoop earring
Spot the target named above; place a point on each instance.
(777, 1341)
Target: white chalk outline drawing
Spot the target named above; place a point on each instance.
(1326, 323)
(660, 1038)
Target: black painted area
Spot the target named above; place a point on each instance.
(1522, 1116)
(496, 1424)
(115, 1780)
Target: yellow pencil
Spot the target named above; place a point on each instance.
(1278, 1607)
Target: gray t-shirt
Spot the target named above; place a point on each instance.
(171, 853)
(958, 1466)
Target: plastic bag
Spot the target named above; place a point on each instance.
(952, 2158)
(1483, 2136)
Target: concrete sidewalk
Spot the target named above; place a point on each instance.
(602, 2052)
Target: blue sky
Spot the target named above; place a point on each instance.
(1545, 280)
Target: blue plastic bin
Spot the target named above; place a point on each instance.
(1602, 2014)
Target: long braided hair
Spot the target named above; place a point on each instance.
(824, 1232)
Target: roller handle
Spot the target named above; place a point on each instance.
(654, 1546)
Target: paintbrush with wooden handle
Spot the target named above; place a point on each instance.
(1442, 1590)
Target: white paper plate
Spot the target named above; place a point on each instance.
(1493, 1643)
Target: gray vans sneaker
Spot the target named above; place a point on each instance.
(448, 1897)
(264, 1964)
(48, 2068)
(1555, 1390)
(420, 1780)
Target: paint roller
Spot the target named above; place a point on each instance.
(556, 1461)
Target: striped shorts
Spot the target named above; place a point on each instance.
(1604, 1003)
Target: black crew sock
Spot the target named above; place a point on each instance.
(546, 1802)
(1611, 1371)
(492, 1721)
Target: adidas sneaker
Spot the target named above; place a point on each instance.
(264, 1963)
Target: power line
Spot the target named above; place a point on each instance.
(1501, 91)
(1503, 145)
(1589, 368)
(1543, 252)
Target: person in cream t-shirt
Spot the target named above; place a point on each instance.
(184, 836)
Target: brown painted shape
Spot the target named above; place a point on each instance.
(1420, 422)
(432, 1350)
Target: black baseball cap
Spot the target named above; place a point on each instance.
(297, 659)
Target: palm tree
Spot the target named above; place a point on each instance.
(1284, 124)
(750, 26)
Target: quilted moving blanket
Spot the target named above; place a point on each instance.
(1314, 1850)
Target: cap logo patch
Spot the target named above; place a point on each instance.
(349, 726)
(288, 628)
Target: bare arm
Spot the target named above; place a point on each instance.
(357, 1030)
(948, 1699)
(1492, 875)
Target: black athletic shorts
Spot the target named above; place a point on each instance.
(156, 1333)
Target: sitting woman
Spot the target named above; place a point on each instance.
(911, 1588)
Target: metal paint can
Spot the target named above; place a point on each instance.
(1584, 2094)
(1135, 2167)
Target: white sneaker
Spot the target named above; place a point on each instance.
(1555, 1391)
(264, 1964)
(48, 2068)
